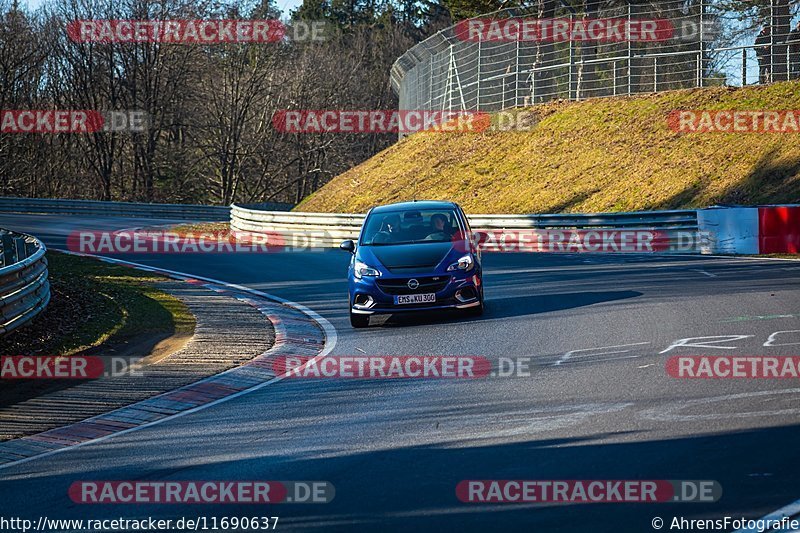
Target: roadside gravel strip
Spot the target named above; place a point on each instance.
(232, 333)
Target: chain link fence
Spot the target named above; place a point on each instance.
(520, 57)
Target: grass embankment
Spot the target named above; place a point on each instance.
(96, 304)
(614, 154)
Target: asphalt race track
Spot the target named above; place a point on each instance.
(598, 403)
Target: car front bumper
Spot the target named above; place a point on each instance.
(450, 297)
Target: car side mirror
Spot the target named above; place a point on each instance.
(348, 246)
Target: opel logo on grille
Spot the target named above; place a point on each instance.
(413, 284)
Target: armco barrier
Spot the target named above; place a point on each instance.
(329, 229)
(24, 289)
(203, 213)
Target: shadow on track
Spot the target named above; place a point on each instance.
(411, 487)
(508, 307)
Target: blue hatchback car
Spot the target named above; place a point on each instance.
(414, 256)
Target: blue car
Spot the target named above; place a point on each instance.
(414, 256)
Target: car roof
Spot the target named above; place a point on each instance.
(424, 204)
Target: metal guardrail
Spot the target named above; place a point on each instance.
(24, 288)
(329, 229)
(126, 209)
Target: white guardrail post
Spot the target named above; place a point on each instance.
(24, 288)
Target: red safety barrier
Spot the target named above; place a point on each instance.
(779, 230)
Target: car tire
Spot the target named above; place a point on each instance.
(359, 321)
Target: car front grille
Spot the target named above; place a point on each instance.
(427, 285)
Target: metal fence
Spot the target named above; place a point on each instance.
(203, 213)
(24, 288)
(330, 229)
(487, 67)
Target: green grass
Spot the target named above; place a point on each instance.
(200, 228)
(611, 154)
(95, 303)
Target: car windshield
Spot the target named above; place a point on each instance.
(410, 226)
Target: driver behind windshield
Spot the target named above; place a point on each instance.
(389, 231)
(440, 229)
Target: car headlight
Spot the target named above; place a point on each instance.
(465, 263)
(362, 269)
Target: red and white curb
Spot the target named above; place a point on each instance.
(298, 331)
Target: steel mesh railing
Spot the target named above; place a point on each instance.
(709, 44)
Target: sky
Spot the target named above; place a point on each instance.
(732, 69)
(284, 5)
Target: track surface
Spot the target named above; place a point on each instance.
(395, 450)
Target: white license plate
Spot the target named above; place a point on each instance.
(415, 299)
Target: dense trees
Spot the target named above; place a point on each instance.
(209, 107)
(209, 136)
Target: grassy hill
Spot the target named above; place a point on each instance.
(614, 154)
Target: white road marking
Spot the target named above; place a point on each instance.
(707, 343)
(709, 274)
(568, 356)
(771, 339)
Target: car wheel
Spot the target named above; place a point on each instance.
(359, 321)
